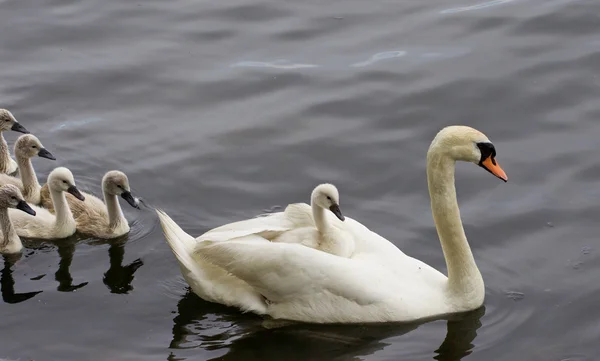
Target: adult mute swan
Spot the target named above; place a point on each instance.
(26, 147)
(8, 122)
(92, 216)
(11, 197)
(379, 283)
(46, 225)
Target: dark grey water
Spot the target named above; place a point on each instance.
(218, 110)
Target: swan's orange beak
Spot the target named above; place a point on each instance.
(493, 167)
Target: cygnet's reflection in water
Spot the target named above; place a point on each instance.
(7, 282)
(247, 337)
(66, 250)
(119, 278)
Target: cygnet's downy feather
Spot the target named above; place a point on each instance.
(11, 197)
(27, 146)
(94, 217)
(8, 122)
(46, 225)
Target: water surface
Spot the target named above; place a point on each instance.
(219, 110)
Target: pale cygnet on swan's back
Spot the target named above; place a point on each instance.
(94, 217)
(11, 197)
(26, 147)
(8, 122)
(313, 229)
(45, 224)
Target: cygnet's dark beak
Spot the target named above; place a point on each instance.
(17, 127)
(22, 205)
(75, 192)
(129, 198)
(338, 213)
(44, 153)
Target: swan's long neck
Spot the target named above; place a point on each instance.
(9, 235)
(115, 214)
(464, 278)
(64, 217)
(4, 155)
(28, 176)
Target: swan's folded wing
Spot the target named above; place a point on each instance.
(267, 226)
(300, 215)
(281, 271)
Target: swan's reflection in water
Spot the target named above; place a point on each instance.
(200, 324)
(7, 281)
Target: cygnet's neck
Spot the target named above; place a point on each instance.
(10, 239)
(115, 214)
(319, 217)
(464, 278)
(64, 217)
(28, 176)
(4, 155)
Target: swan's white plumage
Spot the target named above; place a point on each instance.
(379, 283)
(209, 282)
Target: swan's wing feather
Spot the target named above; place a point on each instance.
(282, 271)
(300, 214)
(267, 226)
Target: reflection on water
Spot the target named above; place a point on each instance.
(7, 281)
(118, 278)
(210, 326)
(460, 334)
(66, 249)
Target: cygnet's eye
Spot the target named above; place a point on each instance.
(7, 120)
(65, 182)
(34, 146)
(328, 197)
(14, 198)
(120, 186)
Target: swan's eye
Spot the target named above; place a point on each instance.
(33, 146)
(7, 120)
(65, 182)
(120, 186)
(14, 198)
(328, 197)
(487, 150)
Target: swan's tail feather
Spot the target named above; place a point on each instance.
(209, 282)
(181, 243)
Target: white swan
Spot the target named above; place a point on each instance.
(11, 197)
(92, 216)
(26, 147)
(45, 225)
(8, 122)
(379, 283)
